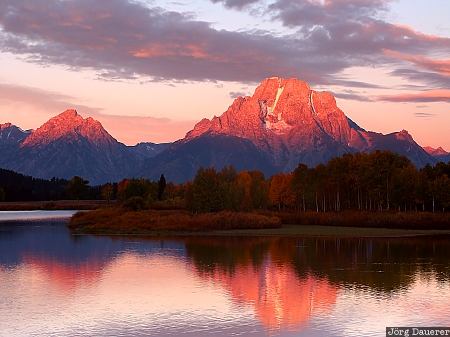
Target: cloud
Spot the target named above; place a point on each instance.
(424, 114)
(127, 39)
(353, 31)
(48, 100)
(439, 66)
(352, 96)
(442, 95)
(124, 39)
(237, 4)
(236, 94)
(352, 83)
(46, 104)
(418, 76)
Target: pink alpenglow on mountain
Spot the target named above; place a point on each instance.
(294, 123)
(283, 124)
(69, 125)
(436, 152)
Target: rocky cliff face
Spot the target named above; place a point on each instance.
(294, 123)
(69, 126)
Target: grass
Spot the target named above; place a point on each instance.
(122, 221)
(397, 220)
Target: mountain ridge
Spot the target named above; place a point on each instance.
(282, 124)
(288, 119)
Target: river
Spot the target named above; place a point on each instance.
(56, 284)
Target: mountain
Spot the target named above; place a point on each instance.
(69, 145)
(282, 124)
(149, 150)
(182, 159)
(11, 137)
(11, 134)
(440, 154)
(287, 123)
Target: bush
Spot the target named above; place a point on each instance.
(134, 204)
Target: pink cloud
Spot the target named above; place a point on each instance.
(442, 95)
(440, 66)
(127, 129)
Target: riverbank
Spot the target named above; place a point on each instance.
(118, 221)
(60, 205)
(148, 222)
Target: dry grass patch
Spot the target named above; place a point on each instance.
(121, 221)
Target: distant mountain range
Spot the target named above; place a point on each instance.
(283, 124)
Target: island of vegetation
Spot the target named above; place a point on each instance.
(378, 190)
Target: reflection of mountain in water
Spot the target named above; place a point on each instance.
(286, 280)
(280, 298)
(53, 249)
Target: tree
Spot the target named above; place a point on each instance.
(244, 186)
(161, 186)
(2, 194)
(107, 192)
(78, 188)
(259, 190)
(130, 188)
(280, 192)
(300, 185)
(205, 192)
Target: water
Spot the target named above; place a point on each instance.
(55, 284)
(34, 215)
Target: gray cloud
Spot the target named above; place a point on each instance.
(237, 4)
(352, 96)
(236, 94)
(418, 76)
(355, 84)
(123, 39)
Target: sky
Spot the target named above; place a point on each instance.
(148, 70)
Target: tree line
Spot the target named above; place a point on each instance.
(18, 187)
(378, 181)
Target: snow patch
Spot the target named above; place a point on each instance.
(272, 108)
(276, 123)
(311, 102)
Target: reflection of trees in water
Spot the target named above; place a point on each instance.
(226, 254)
(381, 264)
(247, 270)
